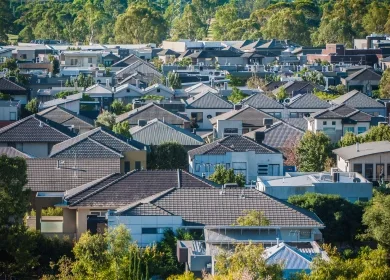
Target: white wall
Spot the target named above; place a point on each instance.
(5, 113)
(73, 106)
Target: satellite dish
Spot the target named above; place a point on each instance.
(356, 180)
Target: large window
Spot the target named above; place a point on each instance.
(239, 167)
(305, 234)
(362, 129)
(349, 129)
(329, 130)
(380, 171)
(152, 230)
(273, 169)
(197, 116)
(369, 171)
(12, 116)
(89, 59)
(127, 166)
(358, 167)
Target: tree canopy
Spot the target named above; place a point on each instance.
(223, 176)
(169, 155)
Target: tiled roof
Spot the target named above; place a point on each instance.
(12, 152)
(96, 143)
(274, 85)
(342, 112)
(9, 87)
(307, 101)
(290, 257)
(149, 112)
(67, 118)
(157, 132)
(208, 206)
(261, 101)
(126, 61)
(298, 87)
(60, 101)
(248, 115)
(132, 187)
(299, 123)
(146, 209)
(364, 74)
(231, 144)
(98, 89)
(356, 99)
(208, 100)
(214, 53)
(35, 129)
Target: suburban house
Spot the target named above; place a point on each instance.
(365, 80)
(156, 132)
(17, 92)
(127, 93)
(222, 57)
(338, 120)
(80, 59)
(34, 135)
(361, 101)
(9, 111)
(138, 70)
(102, 94)
(75, 122)
(304, 104)
(199, 88)
(152, 111)
(109, 59)
(70, 102)
(264, 103)
(5, 54)
(204, 106)
(160, 90)
(246, 156)
(168, 55)
(371, 159)
(293, 88)
(349, 185)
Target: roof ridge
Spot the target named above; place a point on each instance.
(197, 177)
(15, 124)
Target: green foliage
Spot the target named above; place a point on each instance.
(255, 82)
(349, 139)
(282, 94)
(65, 93)
(10, 64)
(174, 80)
(236, 96)
(384, 85)
(234, 81)
(378, 133)
(82, 81)
(185, 62)
(32, 106)
(189, 25)
(336, 213)
(339, 89)
(123, 129)
(223, 176)
(118, 107)
(153, 97)
(253, 218)
(4, 96)
(374, 21)
(169, 155)
(158, 63)
(313, 151)
(324, 95)
(52, 211)
(55, 63)
(105, 119)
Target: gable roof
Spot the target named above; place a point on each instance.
(35, 129)
(160, 86)
(231, 143)
(156, 132)
(261, 101)
(214, 53)
(168, 52)
(208, 100)
(250, 116)
(60, 101)
(307, 101)
(98, 89)
(12, 152)
(149, 112)
(67, 117)
(290, 257)
(196, 87)
(357, 99)
(364, 74)
(120, 190)
(9, 87)
(298, 87)
(343, 112)
(126, 61)
(363, 149)
(208, 207)
(300, 123)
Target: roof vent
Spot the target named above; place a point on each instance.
(242, 196)
(40, 124)
(259, 136)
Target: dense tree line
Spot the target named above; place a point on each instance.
(142, 21)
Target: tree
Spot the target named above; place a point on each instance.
(224, 17)
(174, 80)
(88, 22)
(140, 24)
(118, 107)
(122, 128)
(65, 93)
(152, 97)
(10, 64)
(33, 106)
(313, 150)
(338, 214)
(253, 218)
(6, 21)
(290, 152)
(189, 25)
(255, 82)
(380, 132)
(375, 19)
(223, 176)
(105, 119)
(349, 139)
(169, 155)
(384, 85)
(236, 96)
(55, 64)
(4, 96)
(282, 94)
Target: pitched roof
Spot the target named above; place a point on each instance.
(149, 112)
(9, 87)
(98, 89)
(364, 74)
(298, 87)
(60, 101)
(208, 100)
(290, 257)
(300, 123)
(250, 116)
(35, 129)
(126, 61)
(207, 206)
(67, 117)
(214, 53)
(96, 143)
(156, 132)
(307, 101)
(168, 52)
(196, 87)
(12, 152)
(122, 190)
(363, 149)
(342, 112)
(261, 101)
(232, 143)
(357, 99)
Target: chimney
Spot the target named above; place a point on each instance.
(357, 147)
(194, 131)
(277, 242)
(137, 83)
(108, 83)
(212, 83)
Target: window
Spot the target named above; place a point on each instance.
(388, 171)
(239, 167)
(349, 129)
(262, 170)
(358, 167)
(155, 230)
(278, 115)
(89, 59)
(197, 167)
(361, 129)
(227, 165)
(273, 170)
(138, 165)
(329, 130)
(333, 122)
(380, 171)
(305, 234)
(230, 130)
(198, 116)
(369, 171)
(218, 113)
(293, 115)
(12, 116)
(324, 123)
(127, 166)
(207, 167)
(158, 90)
(99, 213)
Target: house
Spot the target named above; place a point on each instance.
(371, 159)
(80, 59)
(76, 122)
(204, 106)
(294, 88)
(157, 132)
(168, 55)
(34, 135)
(85, 207)
(152, 111)
(47, 94)
(140, 69)
(264, 103)
(349, 185)
(222, 57)
(338, 120)
(16, 91)
(70, 102)
(5, 54)
(304, 104)
(199, 88)
(9, 111)
(128, 60)
(242, 154)
(365, 80)
(102, 94)
(362, 102)
(385, 63)
(160, 90)
(109, 59)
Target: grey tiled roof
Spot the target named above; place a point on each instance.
(34, 129)
(299, 123)
(365, 149)
(342, 112)
(364, 74)
(12, 152)
(207, 206)
(208, 100)
(231, 144)
(146, 209)
(122, 190)
(358, 100)
(262, 101)
(67, 118)
(149, 112)
(157, 132)
(9, 87)
(308, 101)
